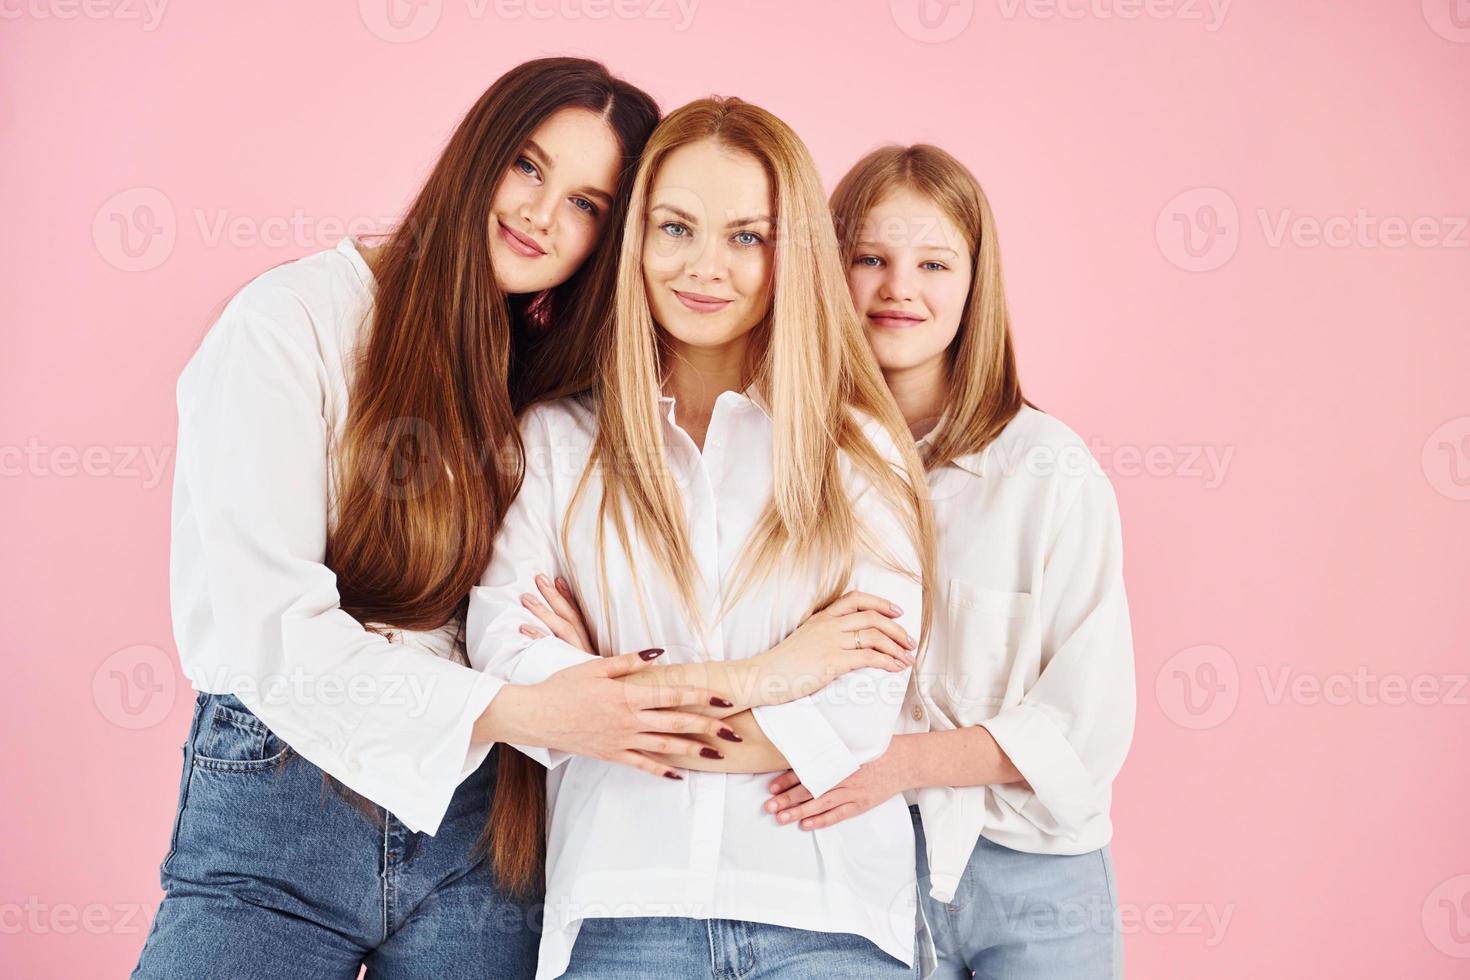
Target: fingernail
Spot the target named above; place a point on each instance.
(771, 807)
(651, 652)
(542, 580)
(672, 775)
(526, 600)
(710, 753)
(721, 703)
(728, 734)
(894, 607)
(561, 584)
(784, 818)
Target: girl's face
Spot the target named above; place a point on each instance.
(909, 279)
(707, 244)
(550, 208)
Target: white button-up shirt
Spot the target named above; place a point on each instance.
(625, 843)
(1031, 640)
(262, 404)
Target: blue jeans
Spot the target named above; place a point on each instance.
(269, 876)
(1020, 916)
(672, 948)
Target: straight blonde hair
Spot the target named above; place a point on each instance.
(810, 363)
(984, 385)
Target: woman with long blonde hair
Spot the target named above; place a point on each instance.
(738, 467)
(1022, 710)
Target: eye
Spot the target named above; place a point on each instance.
(871, 261)
(526, 167)
(932, 266)
(584, 205)
(749, 239)
(674, 229)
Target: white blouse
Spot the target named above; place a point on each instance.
(1031, 640)
(625, 843)
(256, 613)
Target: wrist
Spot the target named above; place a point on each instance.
(904, 763)
(504, 718)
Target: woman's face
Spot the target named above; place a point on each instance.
(909, 278)
(550, 208)
(708, 252)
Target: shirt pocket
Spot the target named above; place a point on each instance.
(985, 630)
(232, 739)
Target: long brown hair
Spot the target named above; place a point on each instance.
(431, 457)
(984, 385)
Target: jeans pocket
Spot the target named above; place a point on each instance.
(232, 739)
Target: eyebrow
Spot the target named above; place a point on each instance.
(691, 219)
(930, 248)
(588, 191)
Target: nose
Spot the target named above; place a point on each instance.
(898, 285)
(708, 263)
(540, 211)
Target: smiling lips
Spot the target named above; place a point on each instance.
(895, 318)
(700, 303)
(519, 243)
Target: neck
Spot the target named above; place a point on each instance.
(921, 392)
(696, 376)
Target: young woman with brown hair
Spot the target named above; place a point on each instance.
(347, 452)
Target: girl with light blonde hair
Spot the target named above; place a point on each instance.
(1022, 708)
(740, 491)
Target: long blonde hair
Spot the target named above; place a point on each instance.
(984, 385)
(809, 361)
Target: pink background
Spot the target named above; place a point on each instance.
(1285, 415)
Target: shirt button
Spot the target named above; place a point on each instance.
(918, 713)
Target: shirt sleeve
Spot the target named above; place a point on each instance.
(526, 545)
(1071, 731)
(391, 720)
(826, 736)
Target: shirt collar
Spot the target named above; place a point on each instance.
(748, 398)
(972, 463)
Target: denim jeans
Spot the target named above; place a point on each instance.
(674, 948)
(1021, 916)
(270, 875)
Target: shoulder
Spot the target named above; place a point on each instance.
(1042, 451)
(314, 305)
(561, 416)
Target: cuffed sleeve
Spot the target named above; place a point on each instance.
(391, 720)
(526, 546)
(1071, 731)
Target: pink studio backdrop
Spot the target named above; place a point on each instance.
(1237, 247)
